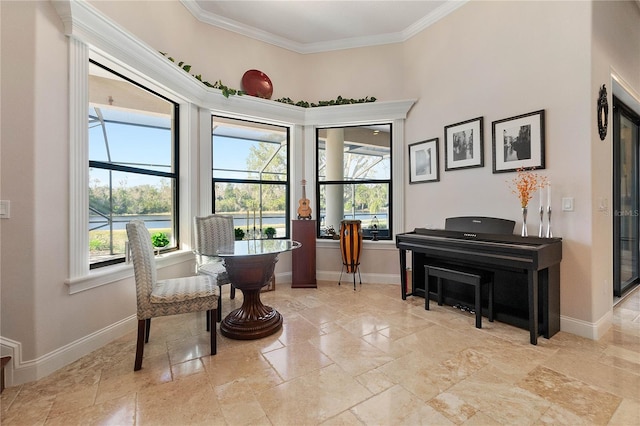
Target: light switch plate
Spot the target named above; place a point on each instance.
(5, 209)
(567, 204)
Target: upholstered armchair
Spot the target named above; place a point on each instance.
(157, 298)
(211, 234)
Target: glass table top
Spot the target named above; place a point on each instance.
(258, 247)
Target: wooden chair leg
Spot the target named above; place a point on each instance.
(208, 320)
(233, 291)
(214, 346)
(142, 326)
(219, 310)
(148, 328)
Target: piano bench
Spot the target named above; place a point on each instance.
(474, 277)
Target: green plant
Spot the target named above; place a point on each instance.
(239, 233)
(269, 231)
(159, 239)
(227, 91)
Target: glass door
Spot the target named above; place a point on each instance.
(626, 191)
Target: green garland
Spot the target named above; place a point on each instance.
(338, 101)
(228, 91)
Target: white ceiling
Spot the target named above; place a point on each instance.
(310, 26)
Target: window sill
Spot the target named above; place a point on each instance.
(111, 274)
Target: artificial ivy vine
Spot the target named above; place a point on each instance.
(228, 91)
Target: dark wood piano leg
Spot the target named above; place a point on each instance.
(533, 306)
(403, 274)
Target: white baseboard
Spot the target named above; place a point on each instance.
(589, 330)
(20, 371)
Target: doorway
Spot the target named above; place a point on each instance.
(626, 198)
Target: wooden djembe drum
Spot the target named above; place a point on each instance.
(350, 248)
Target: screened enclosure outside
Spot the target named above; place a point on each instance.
(251, 175)
(131, 164)
(354, 178)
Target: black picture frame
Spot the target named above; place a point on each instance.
(424, 161)
(518, 142)
(464, 145)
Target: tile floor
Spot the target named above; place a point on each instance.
(347, 357)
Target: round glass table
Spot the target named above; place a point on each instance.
(250, 265)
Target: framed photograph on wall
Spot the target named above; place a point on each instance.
(463, 144)
(423, 161)
(518, 142)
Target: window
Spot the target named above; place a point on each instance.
(133, 173)
(626, 194)
(354, 179)
(251, 175)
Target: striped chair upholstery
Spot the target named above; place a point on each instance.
(212, 233)
(157, 298)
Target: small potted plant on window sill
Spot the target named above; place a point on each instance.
(239, 234)
(270, 232)
(159, 241)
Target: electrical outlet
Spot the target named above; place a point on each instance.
(5, 209)
(567, 204)
(603, 204)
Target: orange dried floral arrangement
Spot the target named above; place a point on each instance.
(525, 184)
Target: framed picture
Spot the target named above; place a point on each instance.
(463, 145)
(423, 162)
(518, 142)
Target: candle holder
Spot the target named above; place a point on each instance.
(541, 228)
(549, 234)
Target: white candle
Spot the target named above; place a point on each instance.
(549, 194)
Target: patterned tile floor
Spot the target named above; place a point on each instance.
(347, 357)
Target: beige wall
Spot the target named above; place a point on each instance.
(499, 60)
(490, 59)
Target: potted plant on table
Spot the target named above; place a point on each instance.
(270, 232)
(159, 240)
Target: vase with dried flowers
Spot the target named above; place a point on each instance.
(524, 185)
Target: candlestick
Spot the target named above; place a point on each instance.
(541, 228)
(549, 194)
(541, 211)
(549, 234)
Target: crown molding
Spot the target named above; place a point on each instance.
(442, 11)
(306, 48)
